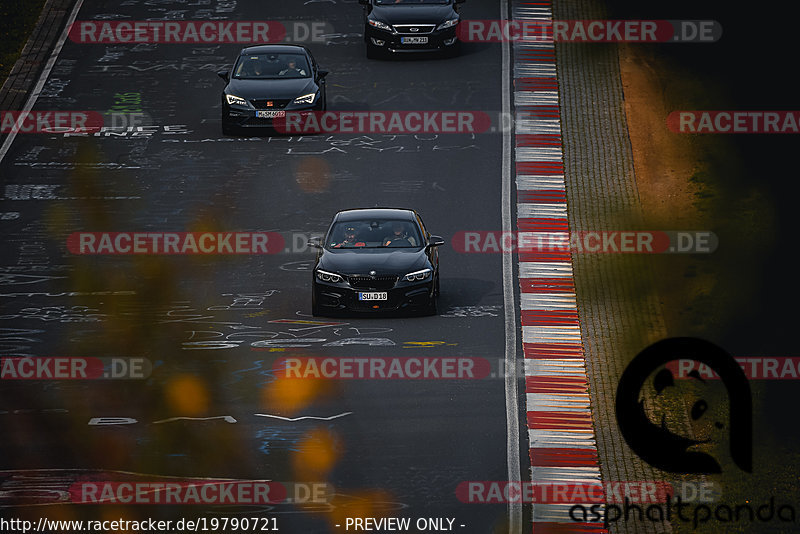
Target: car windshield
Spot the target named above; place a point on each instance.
(271, 66)
(374, 233)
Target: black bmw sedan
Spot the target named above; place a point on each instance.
(394, 26)
(376, 260)
(267, 81)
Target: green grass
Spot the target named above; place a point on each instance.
(17, 20)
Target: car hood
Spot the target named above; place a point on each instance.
(413, 14)
(277, 89)
(383, 261)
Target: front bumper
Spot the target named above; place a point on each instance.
(437, 41)
(240, 117)
(342, 297)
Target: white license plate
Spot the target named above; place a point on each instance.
(414, 40)
(380, 295)
(270, 114)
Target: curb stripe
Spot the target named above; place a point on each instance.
(541, 196)
(550, 350)
(570, 457)
(562, 445)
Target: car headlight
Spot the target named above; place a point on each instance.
(233, 99)
(380, 25)
(325, 276)
(418, 275)
(306, 99)
(447, 24)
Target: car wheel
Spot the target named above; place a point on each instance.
(431, 308)
(227, 129)
(314, 306)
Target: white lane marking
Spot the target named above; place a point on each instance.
(43, 78)
(509, 302)
(226, 418)
(302, 417)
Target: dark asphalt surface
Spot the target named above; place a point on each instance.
(213, 327)
(206, 323)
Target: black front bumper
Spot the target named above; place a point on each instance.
(403, 296)
(438, 40)
(235, 117)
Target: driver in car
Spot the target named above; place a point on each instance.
(398, 238)
(292, 70)
(349, 239)
(252, 67)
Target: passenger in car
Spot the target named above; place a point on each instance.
(399, 237)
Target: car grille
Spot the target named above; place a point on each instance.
(406, 28)
(261, 103)
(256, 121)
(372, 282)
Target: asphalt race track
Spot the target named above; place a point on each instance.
(213, 326)
(152, 384)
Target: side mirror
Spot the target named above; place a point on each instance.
(224, 75)
(315, 242)
(435, 241)
(363, 2)
(459, 1)
(322, 73)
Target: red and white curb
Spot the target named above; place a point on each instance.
(563, 449)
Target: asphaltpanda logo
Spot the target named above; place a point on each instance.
(660, 446)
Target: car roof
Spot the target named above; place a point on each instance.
(273, 48)
(375, 213)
